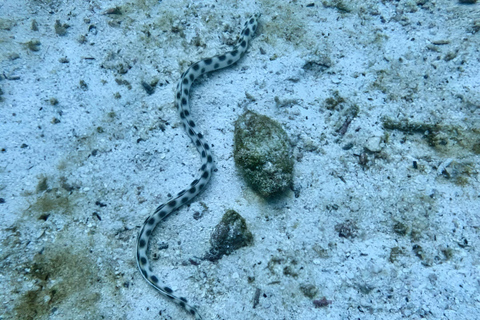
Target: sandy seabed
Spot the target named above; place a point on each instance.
(380, 100)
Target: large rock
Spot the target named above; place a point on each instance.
(264, 153)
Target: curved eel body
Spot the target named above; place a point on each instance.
(182, 103)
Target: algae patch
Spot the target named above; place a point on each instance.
(64, 279)
(53, 255)
(53, 197)
(455, 144)
(264, 153)
(447, 139)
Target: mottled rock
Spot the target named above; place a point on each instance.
(229, 235)
(264, 153)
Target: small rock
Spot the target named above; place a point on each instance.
(229, 235)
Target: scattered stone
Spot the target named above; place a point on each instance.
(345, 119)
(83, 85)
(308, 290)
(42, 185)
(115, 10)
(395, 252)
(321, 303)
(374, 144)
(92, 29)
(318, 65)
(13, 56)
(6, 24)
(256, 297)
(476, 26)
(441, 42)
(348, 229)
(82, 39)
(61, 29)
(400, 228)
(418, 250)
(365, 288)
(148, 88)
(53, 101)
(34, 25)
(332, 102)
(285, 103)
(33, 45)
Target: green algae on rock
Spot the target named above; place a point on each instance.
(229, 235)
(263, 152)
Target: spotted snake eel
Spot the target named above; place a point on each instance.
(182, 103)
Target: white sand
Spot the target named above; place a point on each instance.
(116, 153)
